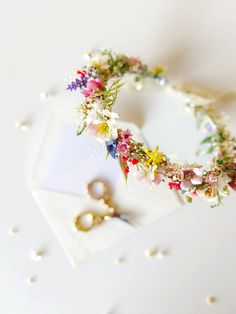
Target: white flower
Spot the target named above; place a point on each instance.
(185, 185)
(91, 116)
(221, 183)
(196, 181)
(102, 60)
(198, 171)
(109, 114)
(147, 174)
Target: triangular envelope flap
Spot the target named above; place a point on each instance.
(60, 211)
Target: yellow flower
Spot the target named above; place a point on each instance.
(159, 69)
(103, 128)
(155, 157)
(96, 64)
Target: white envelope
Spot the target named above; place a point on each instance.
(66, 163)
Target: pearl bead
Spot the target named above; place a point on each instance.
(86, 57)
(119, 260)
(162, 81)
(161, 254)
(36, 255)
(31, 280)
(22, 126)
(44, 95)
(151, 253)
(13, 231)
(139, 86)
(211, 300)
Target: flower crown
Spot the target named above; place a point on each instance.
(100, 81)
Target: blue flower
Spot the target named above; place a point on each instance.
(112, 147)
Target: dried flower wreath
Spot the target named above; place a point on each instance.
(100, 81)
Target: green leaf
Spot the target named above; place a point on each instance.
(107, 155)
(189, 199)
(220, 161)
(207, 139)
(210, 150)
(81, 130)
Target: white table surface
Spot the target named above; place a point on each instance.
(40, 41)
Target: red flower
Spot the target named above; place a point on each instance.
(232, 184)
(81, 72)
(126, 169)
(134, 161)
(124, 159)
(175, 185)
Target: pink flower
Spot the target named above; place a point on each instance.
(92, 85)
(122, 148)
(125, 135)
(185, 185)
(191, 176)
(196, 180)
(157, 180)
(87, 92)
(212, 177)
(134, 62)
(92, 129)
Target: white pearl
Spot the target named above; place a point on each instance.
(161, 254)
(36, 255)
(151, 253)
(44, 95)
(139, 86)
(211, 300)
(22, 126)
(162, 82)
(86, 57)
(119, 260)
(13, 231)
(30, 280)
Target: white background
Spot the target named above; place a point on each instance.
(40, 41)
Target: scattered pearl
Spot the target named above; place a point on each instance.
(44, 95)
(13, 231)
(151, 253)
(36, 255)
(86, 57)
(187, 109)
(161, 254)
(107, 217)
(139, 86)
(30, 280)
(22, 126)
(211, 300)
(162, 81)
(119, 260)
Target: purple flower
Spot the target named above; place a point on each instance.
(78, 83)
(112, 147)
